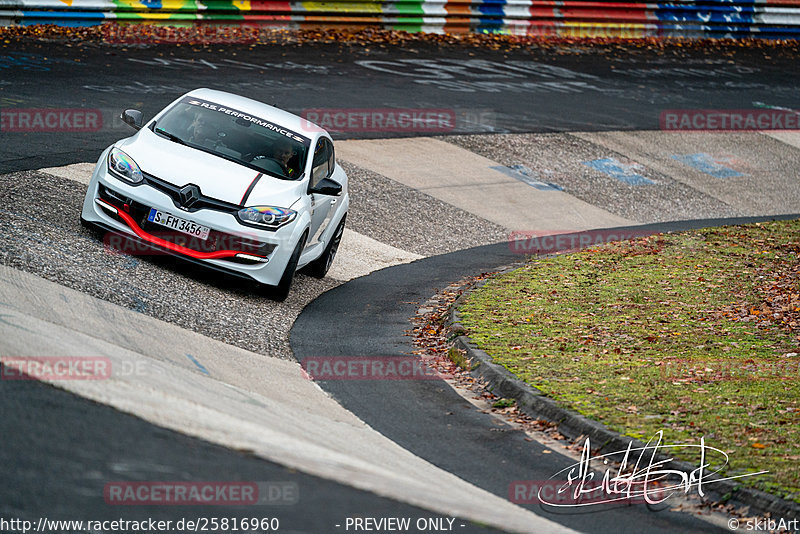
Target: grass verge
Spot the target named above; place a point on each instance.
(696, 334)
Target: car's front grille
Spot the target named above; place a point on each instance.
(216, 240)
(203, 202)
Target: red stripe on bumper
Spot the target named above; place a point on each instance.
(217, 254)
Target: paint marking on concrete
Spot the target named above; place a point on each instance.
(525, 175)
(708, 164)
(768, 164)
(624, 172)
(198, 364)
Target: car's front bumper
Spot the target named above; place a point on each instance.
(231, 247)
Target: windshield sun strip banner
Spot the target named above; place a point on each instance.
(205, 104)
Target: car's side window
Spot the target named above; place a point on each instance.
(331, 159)
(319, 167)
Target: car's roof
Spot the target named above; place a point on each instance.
(260, 110)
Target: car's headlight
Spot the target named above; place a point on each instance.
(268, 217)
(122, 165)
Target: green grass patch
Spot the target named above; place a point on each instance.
(504, 403)
(458, 357)
(695, 334)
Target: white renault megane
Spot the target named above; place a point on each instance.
(226, 181)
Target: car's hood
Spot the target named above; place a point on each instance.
(216, 177)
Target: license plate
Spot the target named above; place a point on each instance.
(176, 223)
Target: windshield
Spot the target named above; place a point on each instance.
(235, 136)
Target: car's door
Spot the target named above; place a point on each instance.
(321, 205)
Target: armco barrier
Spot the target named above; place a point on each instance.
(765, 19)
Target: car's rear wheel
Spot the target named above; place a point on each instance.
(320, 267)
(281, 291)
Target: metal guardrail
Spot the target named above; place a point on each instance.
(767, 19)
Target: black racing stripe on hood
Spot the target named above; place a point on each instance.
(250, 188)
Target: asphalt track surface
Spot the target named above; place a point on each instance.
(69, 451)
(537, 90)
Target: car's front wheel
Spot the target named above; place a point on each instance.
(320, 267)
(281, 291)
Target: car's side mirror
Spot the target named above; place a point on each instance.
(326, 186)
(133, 118)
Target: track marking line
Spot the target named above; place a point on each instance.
(198, 364)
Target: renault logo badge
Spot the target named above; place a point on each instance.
(189, 195)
